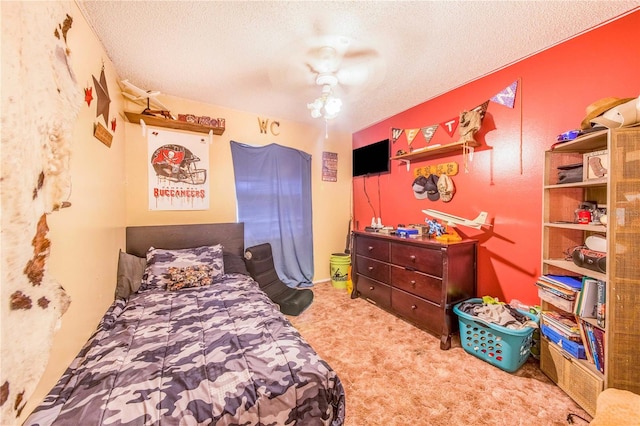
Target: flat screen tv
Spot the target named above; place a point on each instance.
(371, 159)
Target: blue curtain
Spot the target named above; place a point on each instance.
(273, 192)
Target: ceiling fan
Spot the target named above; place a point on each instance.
(344, 64)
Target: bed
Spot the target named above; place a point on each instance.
(213, 353)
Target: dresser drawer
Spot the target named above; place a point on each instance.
(571, 375)
(374, 248)
(373, 269)
(374, 291)
(420, 311)
(418, 283)
(424, 259)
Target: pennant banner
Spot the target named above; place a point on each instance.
(507, 97)
(450, 125)
(411, 134)
(428, 132)
(395, 134)
(482, 109)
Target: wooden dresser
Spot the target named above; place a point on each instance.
(418, 279)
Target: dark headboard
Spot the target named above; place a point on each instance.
(230, 235)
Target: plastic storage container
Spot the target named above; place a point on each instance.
(573, 348)
(500, 346)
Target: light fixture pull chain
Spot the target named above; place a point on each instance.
(326, 128)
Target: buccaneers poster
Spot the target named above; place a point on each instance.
(178, 171)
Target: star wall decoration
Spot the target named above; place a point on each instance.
(88, 95)
(102, 92)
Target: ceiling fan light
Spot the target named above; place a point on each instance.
(317, 104)
(332, 106)
(315, 113)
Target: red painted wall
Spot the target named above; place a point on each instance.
(554, 87)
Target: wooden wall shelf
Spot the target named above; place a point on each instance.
(172, 124)
(433, 152)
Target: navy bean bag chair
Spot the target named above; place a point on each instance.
(259, 261)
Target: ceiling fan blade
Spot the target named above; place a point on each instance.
(354, 76)
(323, 59)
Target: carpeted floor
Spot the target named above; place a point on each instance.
(395, 374)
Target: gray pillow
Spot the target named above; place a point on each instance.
(130, 271)
(234, 264)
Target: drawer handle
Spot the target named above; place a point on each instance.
(371, 287)
(369, 248)
(413, 283)
(414, 307)
(412, 257)
(370, 268)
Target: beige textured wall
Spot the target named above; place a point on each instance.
(85, 237)
(331, 200)
(109, 193)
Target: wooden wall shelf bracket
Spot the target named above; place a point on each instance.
(433, 151)
(151, 120)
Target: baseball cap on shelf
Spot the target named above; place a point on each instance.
(598, 107)
(446, 188)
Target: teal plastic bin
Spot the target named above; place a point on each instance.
(502, 347)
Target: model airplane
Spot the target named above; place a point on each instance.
(452, 220)
(136, 94)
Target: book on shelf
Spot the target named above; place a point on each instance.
(592, 346)
(587, 299)
(598, 335)
(601, 304)
(563, 323)
(568, 282)
(595, 345)
(551, 289)
(583, 333)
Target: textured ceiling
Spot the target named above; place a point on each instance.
(252, 55)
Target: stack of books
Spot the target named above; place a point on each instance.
(563, 324)
(590, 301)
(563, 330)
(590, 312)
(559, 290)
(578, 327)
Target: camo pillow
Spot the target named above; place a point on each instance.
(189, 276)
(160, 260)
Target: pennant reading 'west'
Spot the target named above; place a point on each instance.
(450, 125)
(395, 134)
(428, 132)
(411, 134)
(507, 97)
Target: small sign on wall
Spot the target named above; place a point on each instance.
(102, 134)
(330, 166)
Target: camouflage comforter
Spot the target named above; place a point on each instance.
(221, 354)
